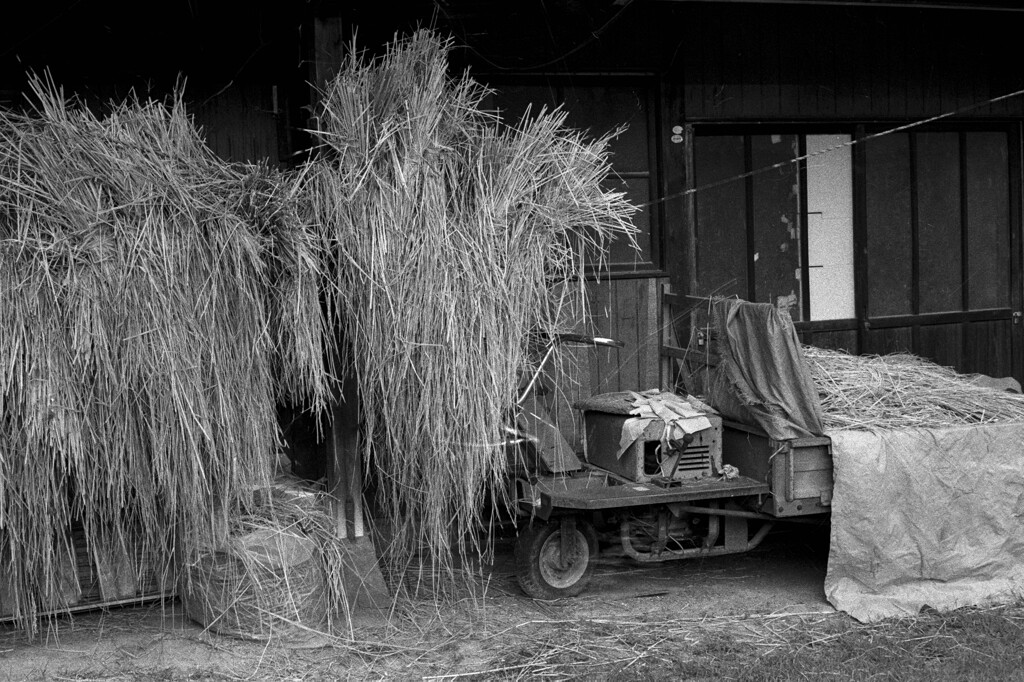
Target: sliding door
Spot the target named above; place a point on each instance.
(904, 241)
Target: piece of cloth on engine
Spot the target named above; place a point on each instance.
(677, 416)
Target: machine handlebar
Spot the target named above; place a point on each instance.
(588, 340)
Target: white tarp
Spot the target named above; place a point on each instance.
(926, 517)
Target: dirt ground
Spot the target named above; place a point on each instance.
(627, 612)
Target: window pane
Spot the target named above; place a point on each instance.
(721, 216)
(988, 220)
(830, 227)
(938, 210)
(887, 161)
(775, 207)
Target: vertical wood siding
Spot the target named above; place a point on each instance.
(240, 124)
(749, 61)
(626, 310)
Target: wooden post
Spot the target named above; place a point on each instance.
(345, 479)
(328, 51)
(344, 476)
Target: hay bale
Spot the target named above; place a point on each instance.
(275, 570)
(267, 582)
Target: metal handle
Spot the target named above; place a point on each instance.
(588, 340)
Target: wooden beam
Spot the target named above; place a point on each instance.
(991, 6)
(344, 473)
(344, 465)
(328, 52)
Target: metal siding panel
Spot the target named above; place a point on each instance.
(987, 348)
(774, 205)
(893, 340)
(988, 219)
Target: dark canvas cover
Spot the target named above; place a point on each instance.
(760, 377)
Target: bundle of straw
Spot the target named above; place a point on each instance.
(902, 391)
(155, 303)
(277, 572)
(453, 240)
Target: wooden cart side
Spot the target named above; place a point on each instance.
(798, 471)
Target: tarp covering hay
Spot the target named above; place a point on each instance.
(929, 485)
(926, 517)
(155, 303)
(454, 240)
(928, 468)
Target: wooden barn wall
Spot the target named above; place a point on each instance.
(754, 61)
(241, 123)
(627, 310)
(759, 61)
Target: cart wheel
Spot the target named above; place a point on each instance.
(540, 568)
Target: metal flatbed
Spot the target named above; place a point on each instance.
(598, 489)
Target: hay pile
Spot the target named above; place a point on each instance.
(902, 391)
(453, 240)
(155, 303)
(278, 574)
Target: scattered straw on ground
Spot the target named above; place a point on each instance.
(526, 641)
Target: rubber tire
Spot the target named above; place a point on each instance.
(533, 553)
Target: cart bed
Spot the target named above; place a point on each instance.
(591, 490)
(798, 471)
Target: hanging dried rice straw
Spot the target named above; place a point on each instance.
(902, 391)
(154, 304)
(453, 241)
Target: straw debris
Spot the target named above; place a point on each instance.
(454, 242)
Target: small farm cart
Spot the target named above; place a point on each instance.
(717, 491)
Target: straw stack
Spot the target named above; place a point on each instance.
(453, 240)
(278, 574)
(154, 304)
(902, 391)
